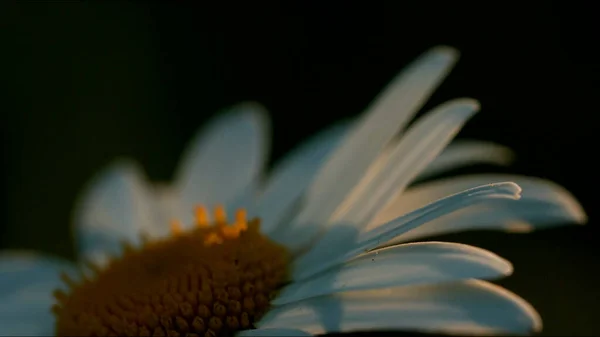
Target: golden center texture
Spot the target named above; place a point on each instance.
(213, 280)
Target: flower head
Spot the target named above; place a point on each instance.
(318, 247)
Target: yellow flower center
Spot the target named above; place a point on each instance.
(213, 280)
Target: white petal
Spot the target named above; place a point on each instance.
(168, 208)
(27, 281)
(328, 252)
(401, 265)
(282, 332)
(468, 152)
(293, 174)
(246, 199)
(421, 144)
(223, 160)
(542, 204)
(468, 307)
(116, 206)
(386, 117)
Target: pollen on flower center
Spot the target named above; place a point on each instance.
(213, 280)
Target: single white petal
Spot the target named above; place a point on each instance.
(382, 121)
(116, 206)
(27, 281)
(542, 204)
(168, 208)
(224, 159)
(293, 174)
(467, 152)
(279, 332)
(350, 243)
(420, 145)
(247, 198)
(401, 265)
(467, 307)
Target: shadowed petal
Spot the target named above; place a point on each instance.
(401, 265)
(467, 307)
(116, 206)
(27, 281)
(293, 175)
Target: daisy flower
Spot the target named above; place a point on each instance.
(318, 246)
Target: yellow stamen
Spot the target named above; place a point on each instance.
(201, 216)
(240, 216)
(242, 226)
(230, 232)
(220, 215)
(239, 226)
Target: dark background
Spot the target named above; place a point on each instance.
(86, 82)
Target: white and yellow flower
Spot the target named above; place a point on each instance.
(319, 246)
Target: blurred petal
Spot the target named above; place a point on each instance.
(467, 307)
(467, 152)
(328, 253)
(293, 174)
(273, 333)
(27, 281)
(401, 265)
(224, 160)
(421, 144)
(542, 204)
(116, 206)
(168, 207)
(383, 120)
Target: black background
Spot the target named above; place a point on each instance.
(86, 82)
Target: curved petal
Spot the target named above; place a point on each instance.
(282, 332)
(401, 265)
(328, 253)
(542, 204)
(390, 112)
(27, 281)
(116, 206)
(293, 174)
(224, 159)
(420, 145)
(467, 152)
(467, 307)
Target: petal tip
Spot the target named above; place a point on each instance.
(446, 52)
(472, 103)
(563, 198)
(501, 265)
(533, 318)
(253, 106)
(253, 110)
(465, 106)
(510, 187)
(579, 215)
